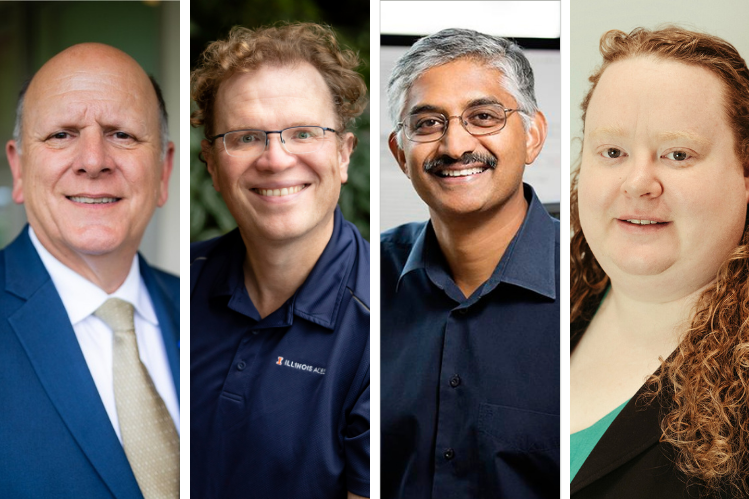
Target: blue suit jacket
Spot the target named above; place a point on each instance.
(56, 439)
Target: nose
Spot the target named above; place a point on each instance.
(93, 157)
(456, 141)
(642, 178)
(274, 157)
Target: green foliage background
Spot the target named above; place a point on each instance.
(210, 20)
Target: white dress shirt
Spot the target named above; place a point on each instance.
(81, 298)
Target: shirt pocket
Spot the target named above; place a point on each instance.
(518, 452)
(519, 429)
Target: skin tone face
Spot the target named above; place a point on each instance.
(90, 169)
(662, 194)
(450, 89)
(274, 98)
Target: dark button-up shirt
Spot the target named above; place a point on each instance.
(280, 406)
(470, 386)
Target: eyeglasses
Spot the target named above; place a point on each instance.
(294, 140)
(478, 120)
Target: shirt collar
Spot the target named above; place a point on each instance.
(317, 299)
(81, 297)
(528, 262)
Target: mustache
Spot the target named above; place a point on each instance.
(466, 159)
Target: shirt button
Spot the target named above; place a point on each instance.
(455, 381)
(449, 454)
(461, 311)
(241, 365)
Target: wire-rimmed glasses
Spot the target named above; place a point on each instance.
(294, 140)
(431, 126)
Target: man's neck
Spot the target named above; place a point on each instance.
(273, 270)
(107, 271)
(474, 244)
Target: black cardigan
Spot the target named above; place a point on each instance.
(630, 462)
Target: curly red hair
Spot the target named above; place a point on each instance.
(705, 383)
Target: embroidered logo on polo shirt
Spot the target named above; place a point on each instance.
(298, 365)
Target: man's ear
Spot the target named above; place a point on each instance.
(535, 137)
(345, 150)
(166, 173)
(16, 169)
(397, 152)
(206, 149)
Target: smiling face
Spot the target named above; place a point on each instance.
(90, 170)
(466, 183)
(279, 196)
(661, 190)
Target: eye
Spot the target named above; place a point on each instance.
(248, 139)
(484, 117)
(59, 135)
(122, 135)
(678, 156)
(427, 124)
(612, 153)
(303, 135)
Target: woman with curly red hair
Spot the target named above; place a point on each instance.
(660, 271)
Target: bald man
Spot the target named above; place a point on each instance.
(89, 364)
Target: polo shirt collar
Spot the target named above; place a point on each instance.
(528, 261)
(82, 298)
(317, 299)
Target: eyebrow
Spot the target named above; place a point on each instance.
(428, 108)
(607, 131)
(296, 123)
(683, 136)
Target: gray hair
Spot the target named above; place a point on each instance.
(163, 116)
(451, 44)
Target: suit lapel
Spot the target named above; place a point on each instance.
(43, 328)
(634, 430)
(167, 312)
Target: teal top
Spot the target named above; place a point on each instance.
(583, 441)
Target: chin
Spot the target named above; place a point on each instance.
(642, 266)
(97, 241)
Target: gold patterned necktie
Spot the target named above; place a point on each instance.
(148, 434)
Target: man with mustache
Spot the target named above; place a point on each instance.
(470, 299)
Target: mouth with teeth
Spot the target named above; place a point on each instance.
(467, 172)
(87, 200)
(643, 222)
(286, 191)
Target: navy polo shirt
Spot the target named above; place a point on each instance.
(470, 386)
(279, 406)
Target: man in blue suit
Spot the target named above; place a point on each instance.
(89, 364)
